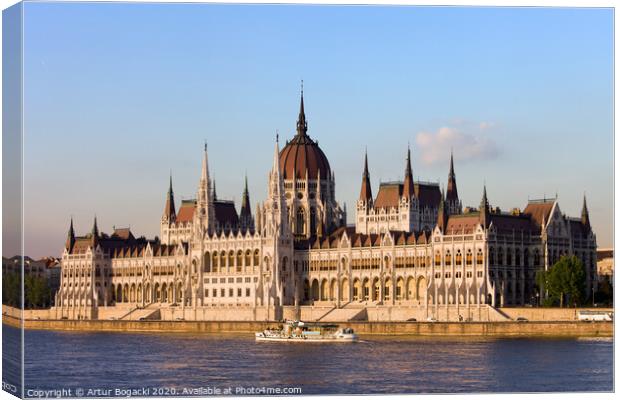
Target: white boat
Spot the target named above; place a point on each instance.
(297, 331)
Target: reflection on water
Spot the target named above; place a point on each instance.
(375, 365)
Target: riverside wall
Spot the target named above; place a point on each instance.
(496, 329)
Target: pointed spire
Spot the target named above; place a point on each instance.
(245, 202)
(95, 233)
(585, 214)
(169, 209)
(484, 207)
(302, 124)
(205, 214)
(452, 193)
(214, 191)
(276, 155)
(408, 189)
(366, 191)
(442, 214)
(70, 237)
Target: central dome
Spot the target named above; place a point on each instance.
(302, 155)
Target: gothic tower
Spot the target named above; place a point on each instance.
(453, 203)
(309, 184)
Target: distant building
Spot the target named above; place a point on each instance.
(605, 265)
(411, 245)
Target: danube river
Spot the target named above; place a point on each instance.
(203, 363)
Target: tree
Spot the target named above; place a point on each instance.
(37, 291)
(564, 282)
(11, 289)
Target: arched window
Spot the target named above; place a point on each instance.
(468, 258)
(459, 258)
(256, 262)
(448, 257)
(239, 260)
(312, 221)
(437, 259)
(231, 258)
(248, 258)
(479, 257)
(301, 222)
(207, 262)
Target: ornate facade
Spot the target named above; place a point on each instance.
(410, 246)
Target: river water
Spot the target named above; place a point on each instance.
(183, 364)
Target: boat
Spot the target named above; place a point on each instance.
(298, 331)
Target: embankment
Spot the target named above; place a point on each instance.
(498, 329)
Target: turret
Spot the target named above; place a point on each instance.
(585, 215)
(442, 214)
(246, 211)
(302, 124)
(95, 234)
(70, 237)
(204, 217)
(452, 193)
(408, 189)
(484, 208)
(366, 191)
(169, 215)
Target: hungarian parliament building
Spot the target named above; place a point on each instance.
(412, 247)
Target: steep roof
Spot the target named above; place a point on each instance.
(186, 211)
(225, 213)
(462, 223)
(539, 211)
(428, 194)
(389, 194)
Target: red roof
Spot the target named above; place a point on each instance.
(389, 195)
(539, 211)
(302, 155)
(186, 212)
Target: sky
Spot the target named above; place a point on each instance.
(117, 96)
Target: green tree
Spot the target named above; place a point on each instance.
(37, 292)
(11, 289)
(564, 282)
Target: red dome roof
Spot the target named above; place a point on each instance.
(302, 154)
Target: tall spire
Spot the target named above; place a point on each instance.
(408, 190)
(452, 193)
(70, 237)
(205, 212)
(366, 191)
(442, 214)
(484, 207)
(95, 233)
(302, 124)
(170, 210)
(585, 214)
(214, 191)
(246, 211)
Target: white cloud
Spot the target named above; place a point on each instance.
(434, 147)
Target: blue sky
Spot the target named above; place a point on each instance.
(117, 95)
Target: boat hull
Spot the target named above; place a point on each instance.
(306, 339)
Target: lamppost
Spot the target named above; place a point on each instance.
(537, 299)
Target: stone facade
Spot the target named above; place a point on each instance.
(411, 246)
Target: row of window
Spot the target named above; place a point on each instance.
(231, 292)
(247, 279)
(458, 274)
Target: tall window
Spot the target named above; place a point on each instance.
(312, 221)
(301, 221)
